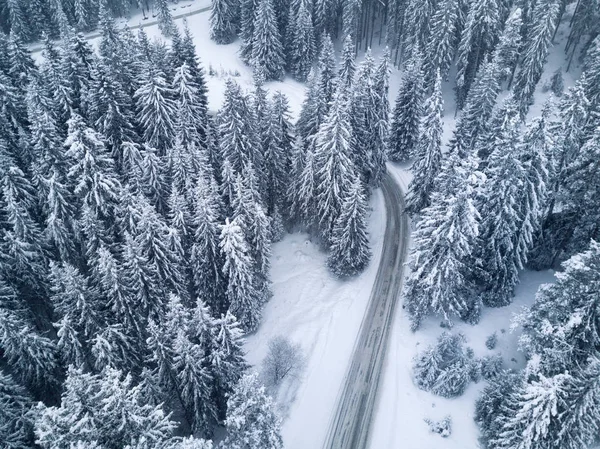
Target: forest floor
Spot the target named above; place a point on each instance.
(323, 314)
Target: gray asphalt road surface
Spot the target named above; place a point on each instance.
(351, 423)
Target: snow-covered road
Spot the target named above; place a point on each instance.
(352, 419)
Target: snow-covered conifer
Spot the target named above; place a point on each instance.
(301, 47)
(350, 251)
(156, 110)
(251, 418)
(428, 153)
(267, 49)
(334, 170)
(407, 113)
(244, 300)
(223, 21)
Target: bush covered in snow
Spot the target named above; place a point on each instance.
(491, 366)
(491, 341)
(445, 368)
(443, 427)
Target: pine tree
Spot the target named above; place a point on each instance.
(428, 153)
(239, 141)
(251, 420)
(16, 430)
(348, 65)
(301, 48)
(31, 357)
(302, 191)
(479, 105)
(350, 252)
(206, 259)
(91, 170)
(18, 19)
(327, 71)
(245, 302)
(443, 39)
(101, 409)
(313, 111)
(248, 14)
(572, 295)
(406, 117)
(156, 111)
(537, 45)
(481, 32)
(227, 359)
(267, 49)
(499, 206)
(417, 18)
(334, 170)
(438, 280)
(22, 67)
(509, 45)
(195, 381)
(165, 19)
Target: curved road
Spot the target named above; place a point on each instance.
(351, 423)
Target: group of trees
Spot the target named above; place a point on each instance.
(554, 402)
(340, 153)
(29, 20)
(506, 193)
(135, 234)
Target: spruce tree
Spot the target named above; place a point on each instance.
(245, 302)
(481, 32)
(350, 252)
(251, 420)
(301, 49)
(334, 170)
(443, 39)
(165, 19)
(16, 430)
(248, 14)
(102, 410)
(206, 259)
(239, 141)
(267, 49)
(347, 64)
(227, 359)
(156, 110)
(438, 280)
(407, 113)
(427, 164)
(497, 250)
(535, 52)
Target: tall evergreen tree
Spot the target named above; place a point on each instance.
(427, 164)
(334, 170)
(407, 113)
(439, 274)
(267, 49)
(301, 48)
(537, 45)
(251, 420)
(350, 252)
(243, 298)
(347, 63)
(165, 19)
(156, 111)
(443, 39)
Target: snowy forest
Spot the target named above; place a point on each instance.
(137, 224)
